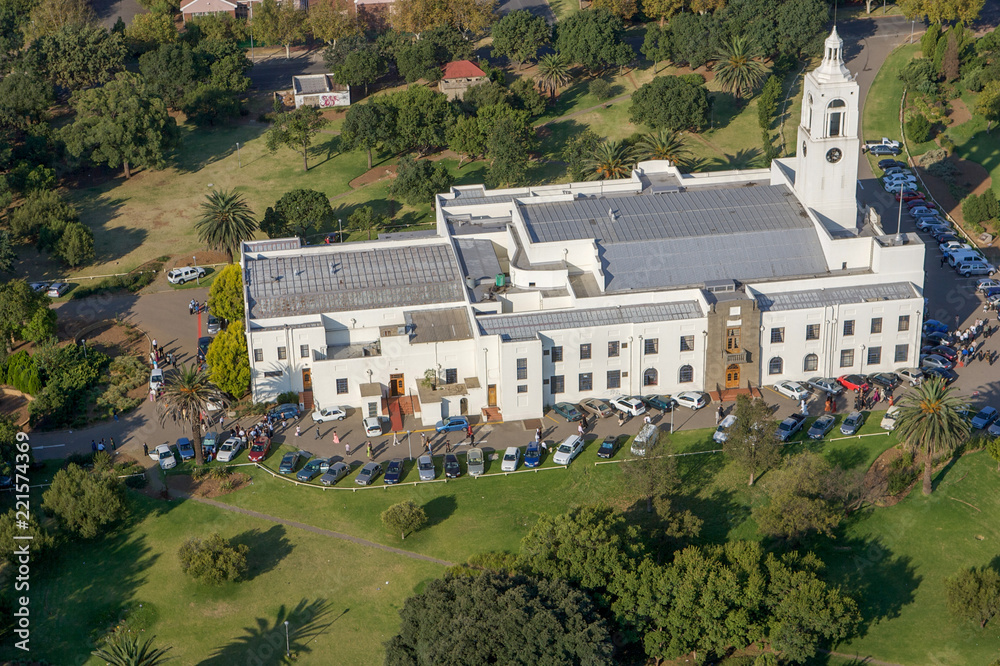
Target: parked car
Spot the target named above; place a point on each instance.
(608, 447)
(935, 339)
(984, 418)
(792, 390)
(925, 222)
(934, 361)
(373, 426)
(912, 375)
(826, 384)
(203, 344)
(889, 418)
(165, 456)
(691, 399)
(853, 382)
(214, 324)
(949, 353)
(57, 289)
(852, 423)
(368, 473)
(568, 450)
(209, 442)
(909, 195)
(156, 379)
(451, 424)
(994, 430)
(286, 411)
(185, 274)
(312, 469)
(567, 410)
(917, 203)
(290, 460)
(324, 414)
(892, 171)
(881, 149)
(975, 268)
(596, 407)
(628, 405)
(886, 380)
(259, 448)
(821, 426)
(664, 403)
(38, 287)
(946, 374)
(532, 454)
(985, 284)
(452, 469)
(721, 433)
(511, 459)
(229, 449)
(791, 425)
(393, 472)
(337, 471)
(185, 448)
(889, 163)
(425, 468)
(475, 462)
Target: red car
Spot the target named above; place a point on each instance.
(913, 203)
(853, 382)
(259, 449)
(910, 195)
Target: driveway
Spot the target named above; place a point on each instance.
(272, 71)
(536, 7)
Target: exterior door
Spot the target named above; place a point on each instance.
(733, 376)
(307, 382)
(491, 395)
(396, 385)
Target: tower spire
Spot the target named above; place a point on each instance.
(833, 68)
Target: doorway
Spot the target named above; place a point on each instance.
(491, 395)
(464, 406)
(396, 385)
(307, 382)
(733, 376)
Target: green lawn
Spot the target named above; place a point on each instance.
(880, 116)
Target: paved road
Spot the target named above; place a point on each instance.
(108, 11)
(272, 71)
(536, 7)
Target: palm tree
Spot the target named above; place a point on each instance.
(125, 650)
(930, 422)
(553, 71)
(611, 159)
(187, 397)
(738, 67)
(663, 145)
(226, 221)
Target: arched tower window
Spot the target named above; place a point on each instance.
(836, 114)
(809, 113)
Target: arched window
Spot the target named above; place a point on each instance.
(775, 365)
(836, 116)
(809, 110)
(811, 363)
(650, 377)
(686, 374)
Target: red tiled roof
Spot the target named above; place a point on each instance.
(462, 69)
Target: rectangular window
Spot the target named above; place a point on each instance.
(258, 355)
(557, 384)
(342, 386)
(874, 355)
(586, 381)
(904, 323)
(613, 349)
(777, 335)
(522, 388)
(902, 353)
(272, 373)
(282, 353)
(651, 345)
(846, 358)
(687, 343)
(876, 324)
(812, 331)
(614, 379)
(733, 340)
(848, 327)
(304, 351)
(585, 351)
(557, 354)
(522, 368)
(451, 375)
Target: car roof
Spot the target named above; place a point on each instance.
(509, 449)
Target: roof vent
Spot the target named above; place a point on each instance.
(612, 214)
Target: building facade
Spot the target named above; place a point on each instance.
(658, 283)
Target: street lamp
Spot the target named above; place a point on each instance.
(288, 647)
(197, 276)
(340, 228)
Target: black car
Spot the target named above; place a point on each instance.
(290, 460)
(203, 344)
(889, 163)
(945, 351)
(393, 472)
(452, 469)
(935, 339)
(947, 375)
(886, 380)
(884, 150)
(608, 447)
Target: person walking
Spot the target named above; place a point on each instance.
(538, 435)
(298, 430)
(347, 449)
(718, 415)
(395, 438)
(145, 449)
(93, 446)
(468, 431)
(472, 439)
(447, 447)
(317, 432)
(648, 419)
(802, 407)
(154, 344)
(113, 446)
(336, 438)
(579, 429)
(368, 449)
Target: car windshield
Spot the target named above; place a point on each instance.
(475, 460)
(287, 460)
(426, 465)
(565, 448)
(165, 454)
(510, 456)
(365, 472)
(257, 447)
(227, 446)
(607, 445)
(393, 467)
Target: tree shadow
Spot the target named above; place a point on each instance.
(725, 107)
(324, 151)
(266, 549)
(847, 457)
(855, 31)
(265, 642)
(743, 159)
(440, 509)
(202, 146)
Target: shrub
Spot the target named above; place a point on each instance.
(213, 560)
(945, 170)
(136, 481)
(84, 503)
(918, 128)
(133, 282)
(228, 485)
(20, 371)
(124, 374)
(918, 72)
(220, 473)
(286, 397)
(947, 145)
(600, 89)
(102, 462)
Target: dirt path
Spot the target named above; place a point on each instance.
(314, 530)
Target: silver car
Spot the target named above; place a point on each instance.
(425, 466)
(336, 472)
(476, 462)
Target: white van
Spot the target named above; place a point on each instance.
(645, 440)
(975, 268)
(965, 257)
(185, 274)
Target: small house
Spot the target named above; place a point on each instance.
(241, 9)
(458, 77)
(320, 90)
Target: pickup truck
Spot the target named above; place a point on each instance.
(886, 141)
(790, 426)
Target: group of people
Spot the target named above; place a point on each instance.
(96, 446)
(966, 344)
(194, 307)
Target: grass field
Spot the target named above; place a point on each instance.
(880, 116)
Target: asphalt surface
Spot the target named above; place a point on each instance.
(536, 7)
(108, 11)
(272, 71)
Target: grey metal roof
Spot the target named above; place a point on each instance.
(335, 280)
(479, 259)
(438, 325)
(815, 298)
(309, 84)
(526, 326)
(273, 244)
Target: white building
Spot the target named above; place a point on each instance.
(657, 283)
(320, 90)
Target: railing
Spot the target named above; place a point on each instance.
(739, 357)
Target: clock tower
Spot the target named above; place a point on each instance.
(826, 174)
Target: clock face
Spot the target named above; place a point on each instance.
(833, 155)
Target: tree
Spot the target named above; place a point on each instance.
(125, 649)
(738, 68)
(403, 517)
(331, 20)
(362, 66)
(367, 126)
(168, 7)
(942, 11)
(802, 500)
(170, 71)
(624, 9)
(422, 119)
(43, 216)
(508, 140)
(186, 398)
(930, 422)
(365, 218)
(50, 16)
(273, 224)
(661, 10)
(752, 442)
(472, 17)
(652, 476)
(226, 222)
(214, 560)
(526, 97)
(594, 40)
(918, 128)
(656, 46)
(24, 100)
(84, 503)
(78, 56)
(993, 450)
(40, 543)
(417, 181)
(611, 160)
(974, 594)
(988, 103)
(18, 305)
(416, 16)
(304, 210)
(150, 30)
(225, 296)
(553, 71)
(76, 245)
(694, 38)
(670, 102)
(121, 124)
(7, 254)
(767, 103)
(519, 36)
(662, 145)
(543, 622)
(800, 25)
(950, 65)
(296, 130)
(418, 60)
(466, 139)
(929, 40)
(578, 151)
(207, 104)
(280, 23)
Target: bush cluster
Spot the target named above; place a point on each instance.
(124, 374)
(21, 372)
(213, 560)
(979, 208)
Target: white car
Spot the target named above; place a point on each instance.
(631, 406)
(321, 414)
(792, 390)
(568, 450)
(953, 246)
(156, 379)
(185, 274)
(373, 426)
(229, 449)
(912, 375)
(165, 456)
(889, 420)
(994, 429)
(720, 435)
(691, 399)
(511, 458)
(985, 284)
(57, 289)
(897, 185)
